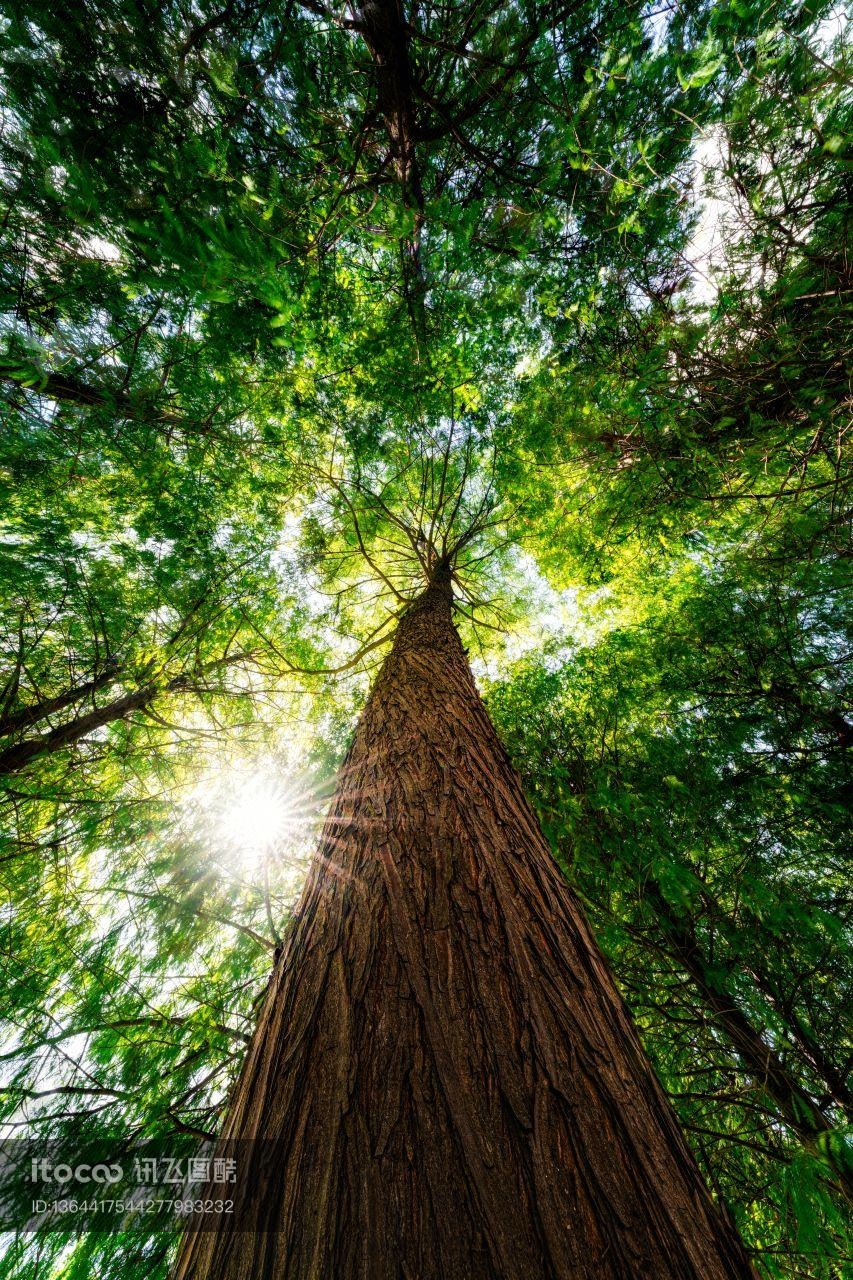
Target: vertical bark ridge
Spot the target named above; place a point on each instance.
(442, 1057)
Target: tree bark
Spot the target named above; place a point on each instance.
(442, 1061)
(18, 756)
(24, 717)
(383, 27)
(64, 388)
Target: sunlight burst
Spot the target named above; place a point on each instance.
(257, 816)
(254, 815)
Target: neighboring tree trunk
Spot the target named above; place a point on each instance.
(23, 717)
(796, 1108)
(442, 1063)
(383, 26)
(19, 755)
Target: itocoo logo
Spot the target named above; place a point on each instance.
(43, 1171)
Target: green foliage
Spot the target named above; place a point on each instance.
(258, 376)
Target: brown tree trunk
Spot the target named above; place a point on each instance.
(384, 29)
(66, 389)
(24, 717)
(442, 1060)
(18, 756)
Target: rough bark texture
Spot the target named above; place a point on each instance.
(452, 1080)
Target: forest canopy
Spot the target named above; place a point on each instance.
(297, 300)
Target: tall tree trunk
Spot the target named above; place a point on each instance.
(442, 1061)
